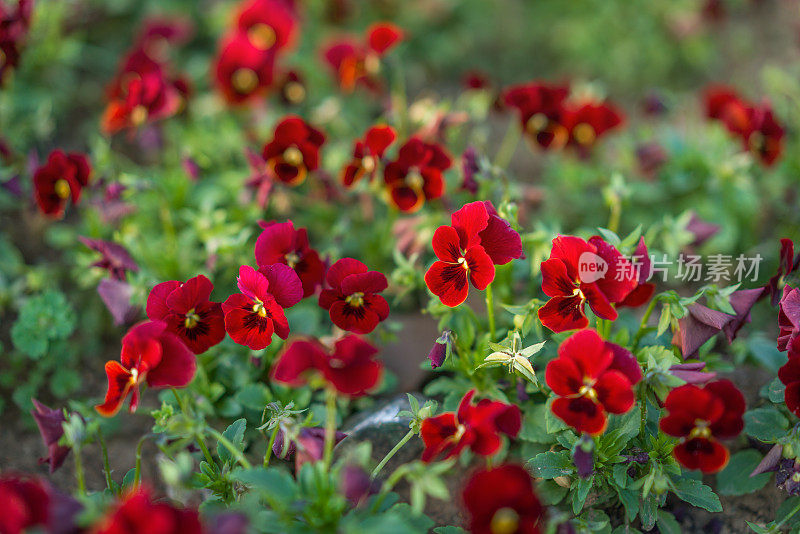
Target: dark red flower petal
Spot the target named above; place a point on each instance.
(707, 455)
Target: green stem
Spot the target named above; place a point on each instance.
(391, 453)
(643, 325)
(137, 472)
(788, 516)
(393, 479)
(490, 311)
(181, 405)
(268, 452)
(330, 426)
(76, 453)
(231, 448)
(204, 448)
(106, 465)
(614, 216)
(508, 145)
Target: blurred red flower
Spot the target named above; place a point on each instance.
(789, 375)
(416, 175)
(139, 512)
(24, 503)
(151, 354)
(293, 151)
(588, 121)
(351, 369)
(502, 499)
(60, 179)
(477, 426)
(538, 107)
(281, 243)
(367, 154)
(578, 272)
(241, 70)
(353, 301)
(252, 316)
(590, 381)
(188, 312)
(50, 423)
(354, 62)
(268, 24)
(700, 417)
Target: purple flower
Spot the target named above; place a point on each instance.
(692, 373)
(116, 295)
(356, 484)
(583, 456)
(115, 258)
(702, 230)
(50, 426)
(697, 327)
(438, 353)
(469, 164)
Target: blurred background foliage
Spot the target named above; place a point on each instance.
(631, 52)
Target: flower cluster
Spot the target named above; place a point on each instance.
(61, 179)
(357, 63)
(248, 55)
(144, 90)
(553, 118)
(754, 124)
(468, 250)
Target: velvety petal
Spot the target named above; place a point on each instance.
(120, 382)
(189, 294)
(481, 268)
(356, 379)
(563, 376)
(555, 280)
(581, 414)
(588, 351)
(501, 242)
(342, 269)
(383, 36)
(141, 348)
(707, 455)
(614, 392)
(298, 358)
(598, 301)
(177, 365)
(447, 244)
(360, 319)
(506, 487)
(157, 308)
(284, 284)
(438, 434)
(274, 242)
(252, 283)
(469, 221)
(730, 423)
(569, 249)
(621, 277)
(369, 282)
(448, 282)
(560, 314)
(791, 397)
(378, 139)
(625, 362)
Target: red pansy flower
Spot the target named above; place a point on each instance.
(502, 500)
(14, 26)
(294, 150)
(477, 426)
(351, 369)
(281, 243)
(268, 24)
(188, 312)
(292, 88)
(353, 301)
(788, 317)
(367, 154)
(539, 107)
(468, 251)
(701, 417)
(25, 505)
(356, 63)
(149, 97)
(789, 375)
(580, 272)
(416, 174)
(139, 512)
(152, 354)
(241, 70)
(60, 179)
(252, 316)
(588, 121)
(587, 382)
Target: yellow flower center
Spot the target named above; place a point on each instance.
(258, 307)
(295, 92)
(537, 123)
(355, 300)
(262, 36)
(62, 188)
(588, 390)
(368, 163)
(293, 156)
(191, 319)
(372, 63)
(134, 379)
(414, 180)
(584, 133)
(504, 521)
(700, 430)
(292, 259)
(138, 115)
(244, 80)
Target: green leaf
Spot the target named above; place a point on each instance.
(775, 391)
(551, 464)
(630, 500)
(667, 524)
(697, 494)
(276, 483)
(534, 426)
(254, 396)
(235, 434)
(766, 352)
(735, 479)
(766, 424)
(449, 530)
